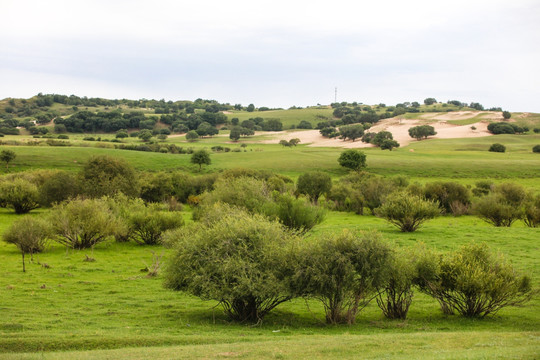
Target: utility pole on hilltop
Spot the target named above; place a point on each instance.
(335, 95)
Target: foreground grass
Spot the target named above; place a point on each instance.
(73, 304)
(428, 345)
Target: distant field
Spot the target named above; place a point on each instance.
(288, 117)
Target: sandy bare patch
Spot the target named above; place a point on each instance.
(398, 127)
(227, 112)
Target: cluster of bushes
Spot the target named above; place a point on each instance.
(289, 143)
(506, 128)
(250, 265)
(383, 139)
(403, 204)
(422, 132)
(350, 132)
(261, 193)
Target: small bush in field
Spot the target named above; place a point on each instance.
(406, 211)
(19, 194)
(344, 272)
(149, 224)
(29, 234)
(536, 149)
(82, 223)
(497, 148)
(475, 282)
(241, 260)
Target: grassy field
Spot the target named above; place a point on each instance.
(464, 160)
(109, 309)
(110, 303)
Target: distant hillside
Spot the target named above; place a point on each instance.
(60, 113)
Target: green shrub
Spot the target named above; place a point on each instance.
(296, 214)
(343, 271)
(107, 176)
(82, 223)
(475, 282)
(536, 149)
(452, 197)
(314, 184)
(406, 211)
(497, 148)
(149, 224)
(352, 159)
(240, 260)
(495, 210)
(19, 194)
(532, 211)
(397, 294)
(29, 234)
(346, 197)
(58, 187)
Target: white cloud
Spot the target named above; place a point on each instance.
(276, 52)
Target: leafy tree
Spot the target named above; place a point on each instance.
(58, 187)
(29, 234)
(20, 194)
(314, 184)
(406, 211)
(344, 271)
(380, 137)
(201, 157)
(329, 131)
(497, 148)
(192, 135)
(451, 196)
(122, 134)
(7, 156)
(272, 125)
(422, 131)
(304, 125)
(506, 115)
(82, 223)
(145, 135)
(536, 149)
(285, 143)
(351, 132)
(294, 141)
(347, 197)
(104, 175)
(389, 144)
(235, 133)
(240, 260)
(430, 101)
(250, 108)
(475, 282)
(352, 159)
(206, 129)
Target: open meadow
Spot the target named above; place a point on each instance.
(64, 307)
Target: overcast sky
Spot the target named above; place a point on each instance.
(275, 53)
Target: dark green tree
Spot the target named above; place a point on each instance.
(7, 156)
(201, 157)
(104, 175)
(314, 184)
(352, 159)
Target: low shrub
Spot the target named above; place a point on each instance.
(475, 282)
(497, 148)
(406, 211)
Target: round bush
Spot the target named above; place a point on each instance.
(497, 148)
(536, 148)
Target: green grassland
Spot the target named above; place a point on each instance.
(109, 309)
(289, 117)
